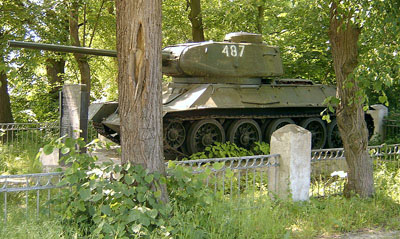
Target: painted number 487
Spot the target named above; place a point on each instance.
(232, 50)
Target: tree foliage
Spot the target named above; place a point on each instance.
(299, 28)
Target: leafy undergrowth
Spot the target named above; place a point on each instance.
(228, 149)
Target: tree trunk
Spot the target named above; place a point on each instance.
(139, 83)
(55, 70)
(350, 114)
(196, 20)
(5, 104)
(260, 18)
(81, 59)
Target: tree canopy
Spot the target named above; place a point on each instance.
(299, 28)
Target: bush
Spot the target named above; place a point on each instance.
(228, 149)
(109, 201)
(114, 201)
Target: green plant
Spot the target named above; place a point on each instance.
(108, 201)
(228, 149)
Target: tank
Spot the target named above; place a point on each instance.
(228, 91)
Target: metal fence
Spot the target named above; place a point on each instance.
(392, 127)
(24, 140)
(19, 188)
(17, 136)
(237, 177)
(329, 167)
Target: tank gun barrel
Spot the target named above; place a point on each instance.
(62, 48)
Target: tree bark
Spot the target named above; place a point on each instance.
(196, 20)
(260, 18)
(55, 70)
(139, 83)
(81, 59)
(5, 104)
(344, 36)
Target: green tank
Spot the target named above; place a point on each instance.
(229, 91)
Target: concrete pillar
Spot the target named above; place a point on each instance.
(74, 111)
(378, 114)
(291, 179)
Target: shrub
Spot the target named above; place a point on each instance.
(228, 149)
(109, 201)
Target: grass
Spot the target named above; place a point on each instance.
(318, 217)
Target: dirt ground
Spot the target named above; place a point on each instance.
(367, 234)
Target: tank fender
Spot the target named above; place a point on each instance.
(100, 111)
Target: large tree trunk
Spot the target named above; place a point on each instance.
(82, 60)
(55, 70)
(5, 104)
(260, 18)
(196, 20)
(139, 83)
(350, 114)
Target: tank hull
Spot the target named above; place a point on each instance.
(198, 115)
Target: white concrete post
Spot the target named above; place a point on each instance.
(291, 179)
(378, 114)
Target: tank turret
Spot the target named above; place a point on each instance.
(241, 55)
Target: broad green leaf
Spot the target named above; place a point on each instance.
(97, 197)
(153, 213)
(229, 173)
(129, 179)
(218, 166)
(69, 142)
(84, 194)
(149, 178)
(106, 210)
(65, 150)
(48, 149)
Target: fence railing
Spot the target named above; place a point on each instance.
(329, 167)
(392, 126)
(237, 175)
(28, 183)
(21, 135)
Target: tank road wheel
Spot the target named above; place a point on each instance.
(203, 133)
(244, 133)
(318, 131)
(276, 124)
(174, 134)
(334, 139)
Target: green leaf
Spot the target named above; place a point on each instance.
(65, 150)
(133, 216)
(117, 168)
(229, 173)
(149, 178)
(136, 228)
(153, 213)
(48, 149)
(84, 194)
(81, 206)
(106, 210)
(382, 99)
(129, 179)
(69, 142)
(157, 194)
(140, 197)
(97, 197)
(218, 166)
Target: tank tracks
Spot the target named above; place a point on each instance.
(189, 132)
